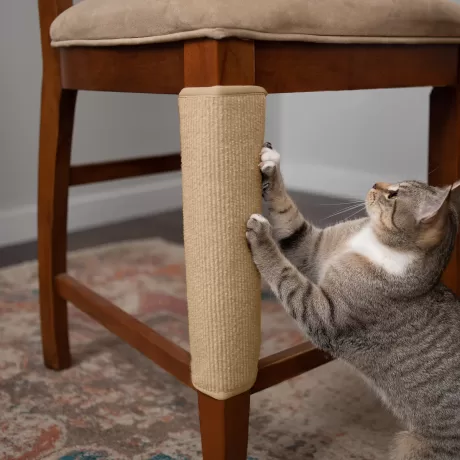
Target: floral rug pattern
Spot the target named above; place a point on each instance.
(113, 403)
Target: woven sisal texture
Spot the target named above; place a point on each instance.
(222, 131)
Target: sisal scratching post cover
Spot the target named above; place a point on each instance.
(222, 132)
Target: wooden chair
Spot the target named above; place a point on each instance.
(167, 68)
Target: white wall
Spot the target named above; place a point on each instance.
(343, 142)
(108, 126)
(336, 143)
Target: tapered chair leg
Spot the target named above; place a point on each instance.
(224, 427)
(57, 118)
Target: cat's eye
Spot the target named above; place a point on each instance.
(392, 194)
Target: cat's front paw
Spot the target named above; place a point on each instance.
(269, 167)
(269, 160)
(258, 230)
(265, 253)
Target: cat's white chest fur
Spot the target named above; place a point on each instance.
(366, 244)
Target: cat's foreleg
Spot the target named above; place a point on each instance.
(408, 446)
(306, 302)
(297, 238)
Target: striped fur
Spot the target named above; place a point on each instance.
(368, 291)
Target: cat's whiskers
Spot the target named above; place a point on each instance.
(339, 204)
(433, 170)
(350, 208)
(358, 211)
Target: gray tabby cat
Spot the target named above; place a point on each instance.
(368, 291)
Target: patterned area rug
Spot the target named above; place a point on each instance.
(115, 404)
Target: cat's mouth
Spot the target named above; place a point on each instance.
(371, 197)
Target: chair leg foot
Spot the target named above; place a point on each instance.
(56, 128)
(224, 427)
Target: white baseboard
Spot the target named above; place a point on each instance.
(95, 209)
(335, 182)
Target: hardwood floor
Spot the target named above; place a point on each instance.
(168, 225)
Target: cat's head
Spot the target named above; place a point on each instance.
(412, 213)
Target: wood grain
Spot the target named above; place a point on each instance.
(219, 62)
(444, 157)
(280, 67)
(224, 427)
(54, 161)
(287, 364)
(123, 169)
(156, 69)
(286, 67)
(166, 354)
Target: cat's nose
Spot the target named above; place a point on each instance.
(383, 186)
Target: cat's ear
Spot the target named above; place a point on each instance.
(455, 195)
(434, 205)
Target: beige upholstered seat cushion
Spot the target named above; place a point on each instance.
(117, 22)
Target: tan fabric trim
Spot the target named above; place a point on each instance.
(219, 34)
(221, 91)
(222, 132)
(222, 396)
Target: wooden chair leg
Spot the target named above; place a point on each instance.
(224, 427)
(224, 424)
(444, 156)
(57, 117)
